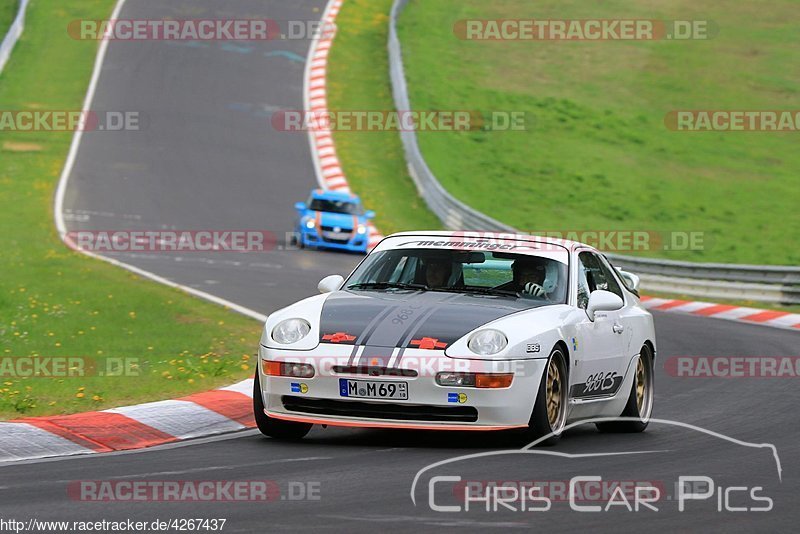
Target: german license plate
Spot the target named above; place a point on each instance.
(372, 389)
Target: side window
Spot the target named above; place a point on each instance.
(594, 274)
(611, 282)
(584, 289)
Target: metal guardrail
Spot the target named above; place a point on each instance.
(714, 280)
(13, 34)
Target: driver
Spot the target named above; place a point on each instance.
(437, 271)
(529, 275)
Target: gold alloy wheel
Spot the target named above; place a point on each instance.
(553, 393)
(641, 384)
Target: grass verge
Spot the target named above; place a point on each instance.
(358, 80)
(596, 153)
(374, 162)
(57, 303)
(8, 10)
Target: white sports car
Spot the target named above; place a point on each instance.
(462, 331)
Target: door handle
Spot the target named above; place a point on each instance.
(618, 328)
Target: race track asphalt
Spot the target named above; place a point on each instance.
(208, 159)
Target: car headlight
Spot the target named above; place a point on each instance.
(310, 224)
(290, 331)
(362, 229)
(487, 342)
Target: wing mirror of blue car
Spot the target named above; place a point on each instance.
(300, 206)
(601, 301)
(369, 214)
(330, 283)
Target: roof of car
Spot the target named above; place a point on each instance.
(478, 235)
(333, 195)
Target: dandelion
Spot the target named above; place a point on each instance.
(190, 381)
(58, 344)
(51, 403)
(97, 398)
(80, 395)
(221, 323)
(245, 367)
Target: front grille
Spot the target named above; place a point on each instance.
(373, 371)
(335, 241)
(341, 230)
(402, 412)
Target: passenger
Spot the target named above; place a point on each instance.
(529, 276)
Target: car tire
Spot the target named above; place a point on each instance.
(640, 400)
(275, 428)
(549, 415)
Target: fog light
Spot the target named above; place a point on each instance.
(475, 380)
(294, 370)
(456, 379)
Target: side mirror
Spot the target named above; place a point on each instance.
(300, 206)
(603, 301)
(330, 283)
(369, 214)
(631, 280)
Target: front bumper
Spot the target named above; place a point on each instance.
(313, 238)
(318, 399)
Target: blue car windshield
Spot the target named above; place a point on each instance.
(335, 206)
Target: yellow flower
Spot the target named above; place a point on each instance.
(221, 323)
(52, 403)
(245, 357)
(190, 381)
(81, 388)
(79, 395)
(97, 398)
(58, 344)
(245, 367)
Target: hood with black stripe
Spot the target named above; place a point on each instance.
(409, 319)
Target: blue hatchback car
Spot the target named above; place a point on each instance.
(332, 220)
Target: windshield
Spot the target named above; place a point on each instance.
(502, 274)
(335, 206)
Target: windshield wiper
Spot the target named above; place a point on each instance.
(387, 285)
(479, 290)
